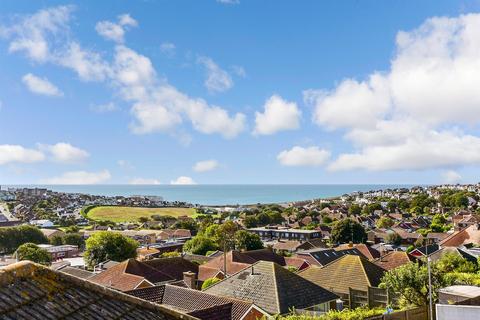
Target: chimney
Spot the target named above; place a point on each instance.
(190, 279)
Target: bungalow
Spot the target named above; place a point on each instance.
(275, 290)
(394, 259)
(344, 274)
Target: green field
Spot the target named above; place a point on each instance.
(130, 214)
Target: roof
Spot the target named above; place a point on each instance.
(468, 235)
(50, 232)
(349, 271)
(322, 257)
(31, 291)
(291, 245)
(461, 290)
(237, 261)
(193, 301)
(77, 272)
(458, 251)
(426, 250)
(174, 267)
(130, 274)
(394, 259)
(369, 252)
(272, 288)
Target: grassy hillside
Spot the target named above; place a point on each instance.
(124, 214)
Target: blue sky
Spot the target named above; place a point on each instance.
(242, 92)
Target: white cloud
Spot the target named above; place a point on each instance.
(183, 181)
(65, 152)
(115, 31)
(229, 1)
(31, 34)
(88, 64)
(125, 164)
(239, 71)
(300, 156)
(143, 181)
(451, 177)
(204, 166)
(278, 115)
(408, 117)
(168, 49)
(41, 85)
(218, 80)
(19, 154)
(104, 108)
(155, 105)
(80, 177)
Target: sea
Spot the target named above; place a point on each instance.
(219, 195)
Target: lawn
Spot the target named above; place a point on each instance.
(124, 214)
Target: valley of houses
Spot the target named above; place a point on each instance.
(300, 271)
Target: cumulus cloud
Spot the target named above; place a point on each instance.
(31, 34)
(300, 156)
(65, 152)
(218, 80)
(41, 85)
(144, 181)
(183, 180)
(80, 177)
(451, 177)
(19, 154)
(115, 31)
(204, 166)
(278, 115)
(155, 104)
(408, 117)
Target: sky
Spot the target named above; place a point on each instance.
(239, 92)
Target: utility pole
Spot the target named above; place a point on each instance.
(429, 282)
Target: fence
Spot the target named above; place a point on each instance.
(373, 297)
(420, 313)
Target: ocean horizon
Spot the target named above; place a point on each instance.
(222, 194)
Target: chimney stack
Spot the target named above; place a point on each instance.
(190, 279)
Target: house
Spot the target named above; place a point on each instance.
(321, 257)
(44, 223)
(462, 252)
(436, 237)
(291, 246)
(200, 304)
(394, 259)
(236, 261)
(61, 251)
(274, 289)
(467, 236)
(341, 275)
(276, 233)
(466, 221)
(76, 272)
(31, 291)
(50, 233)
(132, 274)
(367, 251)
(424, 250)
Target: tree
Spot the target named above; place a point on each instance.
(143, 219)
(226, 235)
(384, 222)
(107, 245)
(354, 210)
(250, 221)
(410, 283)
(56, 240)
(12, 237)
(347, 230)
(32, 252)
(452, 262)
(189, 224)
(245, 240)
(74, 239)
(200, 245)
(393, 238)
(209, 282)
